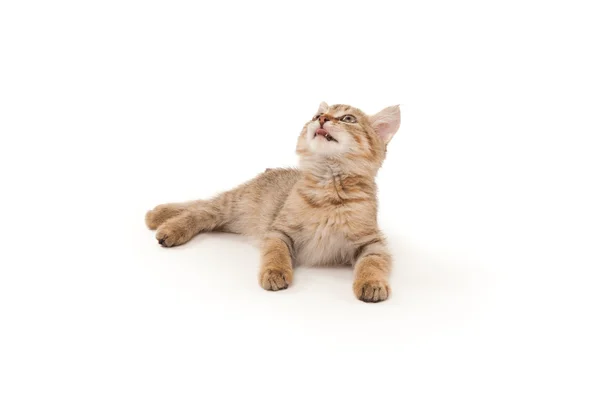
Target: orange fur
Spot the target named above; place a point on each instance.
(324, 212)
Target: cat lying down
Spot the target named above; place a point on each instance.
(322, 213)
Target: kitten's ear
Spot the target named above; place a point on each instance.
(386, 122)
(323, 107)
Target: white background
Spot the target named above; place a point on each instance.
(488, 197)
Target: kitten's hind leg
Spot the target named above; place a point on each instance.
(198, 216)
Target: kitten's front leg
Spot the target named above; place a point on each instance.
(371, 270)
(275, 263)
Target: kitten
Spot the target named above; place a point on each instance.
(324, 212)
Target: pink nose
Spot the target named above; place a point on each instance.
(323, 118)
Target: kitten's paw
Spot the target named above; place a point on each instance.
(159, 214)
(171, 234)
(371, 291)
(275, 278)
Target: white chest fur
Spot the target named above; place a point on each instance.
(323, 241)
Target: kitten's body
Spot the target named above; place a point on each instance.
(325, 212)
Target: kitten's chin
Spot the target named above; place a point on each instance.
(324, 147)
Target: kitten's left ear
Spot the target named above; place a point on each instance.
(386, 122)
(323, 107)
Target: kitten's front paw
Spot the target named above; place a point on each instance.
(169, 235)
(371, 291)
(275, 278)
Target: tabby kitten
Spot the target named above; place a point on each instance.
(324, 212)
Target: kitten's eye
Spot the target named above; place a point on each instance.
(316, 117)
(350, 119)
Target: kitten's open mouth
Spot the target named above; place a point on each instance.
(325, 134)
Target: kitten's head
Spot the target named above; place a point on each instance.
(345, 133)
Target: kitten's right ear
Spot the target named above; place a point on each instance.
(323, 107)
(386, 122)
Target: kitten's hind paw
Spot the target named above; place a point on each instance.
(175, 231)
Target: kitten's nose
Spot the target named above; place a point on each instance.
(323, 118)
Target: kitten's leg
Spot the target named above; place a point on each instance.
(193, 218)
(275, 262)
(371, 270)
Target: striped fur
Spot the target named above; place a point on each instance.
(322, 213)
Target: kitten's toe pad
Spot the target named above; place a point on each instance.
(371, 291)
(275, 279)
